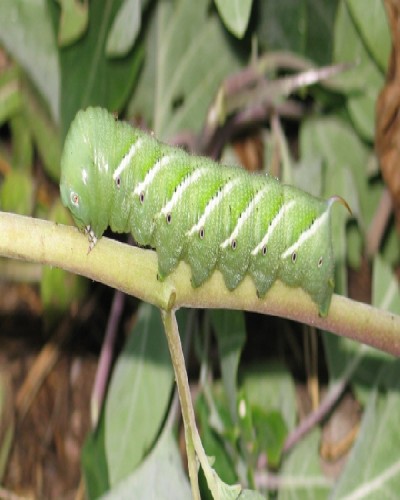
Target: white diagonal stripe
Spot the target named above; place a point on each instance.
(152, 173)
(243, 217)
(190, 179)
(213, 204)
(271, 228)
(306, 235)
(127, 158)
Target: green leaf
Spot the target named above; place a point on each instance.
(188, 54)
(390, 246)
(335, 142)
(385, 287)
(21, 143)
(372, 24)
(319, 29)
(235, 14)
(160, 476)
(44, 132)
(26, 31)
(94, 463)
(73, 21)
(250, 495)
(90, 77)
(365, 80)
(16, 193)
(349, 47)
(301, 476)
(304, 27)
(362, 111)
(278, 30)
(10, 94)
(373, 468)
(271, 388)
(340, 180)
(214, 443)
(307, 175)
(125, 28)
(230, 330)
(246, 427)
(271, 432)
(139, 395)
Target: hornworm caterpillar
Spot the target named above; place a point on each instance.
(191, 208)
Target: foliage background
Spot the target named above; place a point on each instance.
(161, 63)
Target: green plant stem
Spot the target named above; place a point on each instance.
(194, 445)
(178, 362)
(134, 271)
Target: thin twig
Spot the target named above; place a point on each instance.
(330, 400)
(106, 356)
(249, 88)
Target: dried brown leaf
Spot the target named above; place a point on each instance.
(388, 114)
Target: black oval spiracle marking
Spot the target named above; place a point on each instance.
(141, 197)
(264, 250)
(201, 233)
(234, 244)
(294, 257)
(168, 218)
(320, 261)
(118, 182)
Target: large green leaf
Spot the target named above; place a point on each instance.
(89, 76)
(26, 31)
(366, 79)
(373, 468)
(302, 26)
(335, 142)
(301, 476)
(139, 394)
(373, 27)
(188, 55)
(125, 28)
(160, 476)
(350, 47)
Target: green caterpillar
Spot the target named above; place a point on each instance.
(191, 208)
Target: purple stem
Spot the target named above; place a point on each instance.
(316, 416)
(328, 403)
(106, 356)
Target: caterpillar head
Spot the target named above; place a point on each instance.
(85, 169)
